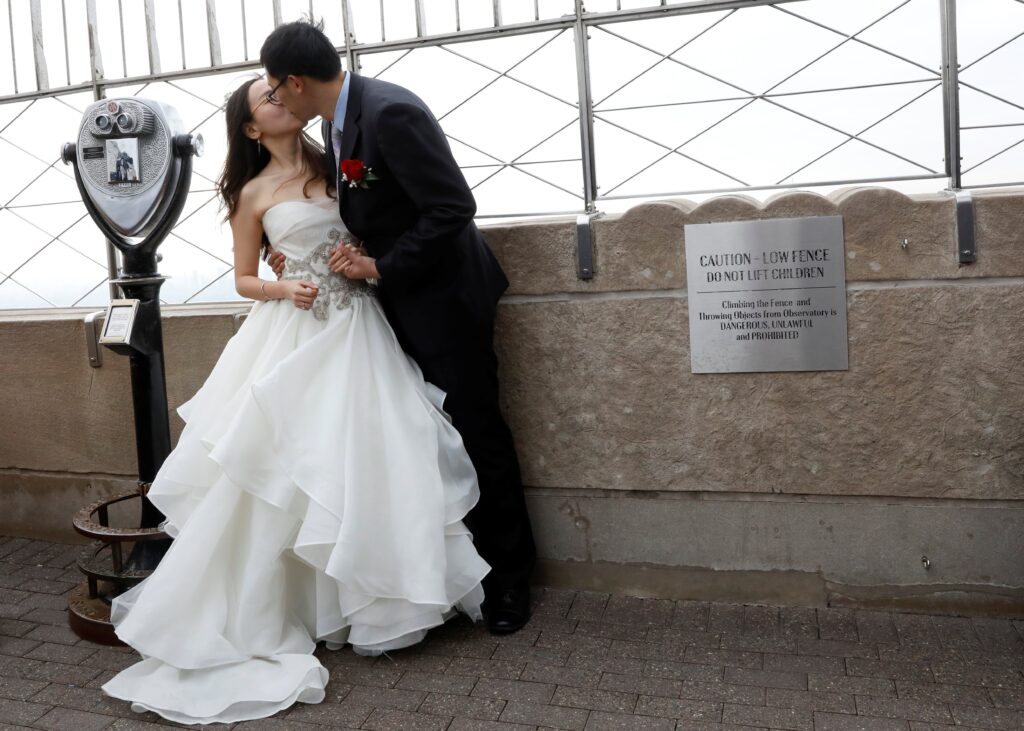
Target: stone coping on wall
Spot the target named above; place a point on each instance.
(644, 247)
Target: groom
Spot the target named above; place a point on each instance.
(402, 194)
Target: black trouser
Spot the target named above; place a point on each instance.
(499, 522)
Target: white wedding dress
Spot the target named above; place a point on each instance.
(316, 493)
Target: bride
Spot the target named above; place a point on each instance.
(317, 491)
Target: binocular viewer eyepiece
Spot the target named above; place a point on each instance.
(120, 118)
(133, 166)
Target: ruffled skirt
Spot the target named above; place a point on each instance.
(317, 493)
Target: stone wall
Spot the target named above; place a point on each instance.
(599, 386)
(642, 477)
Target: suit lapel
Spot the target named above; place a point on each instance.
(350, 130)
(325, 133)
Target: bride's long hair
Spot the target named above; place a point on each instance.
(245, 158)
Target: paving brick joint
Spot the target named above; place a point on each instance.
(586, 661)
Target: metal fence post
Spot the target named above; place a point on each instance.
(950, 92)
(586, 107)
(350, 35)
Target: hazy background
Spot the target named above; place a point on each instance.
(802, 94)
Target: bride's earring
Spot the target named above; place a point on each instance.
(259, 147)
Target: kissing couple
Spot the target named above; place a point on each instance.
(349, 437)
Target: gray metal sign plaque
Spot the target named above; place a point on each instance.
(767, 295)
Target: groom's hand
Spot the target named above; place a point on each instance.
(276, 261)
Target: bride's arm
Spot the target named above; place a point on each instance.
(247, 233)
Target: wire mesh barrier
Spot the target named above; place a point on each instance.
(683, 98)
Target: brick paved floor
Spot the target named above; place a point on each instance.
(586, 661)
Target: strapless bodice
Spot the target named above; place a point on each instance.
(297, 227)
(306, 231)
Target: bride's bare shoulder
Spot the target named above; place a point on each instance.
(255, 198)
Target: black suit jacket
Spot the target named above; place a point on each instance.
(438, 276)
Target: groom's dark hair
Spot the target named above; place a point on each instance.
(300, 49)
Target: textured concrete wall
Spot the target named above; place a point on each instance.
(819, 483)
(783, 549)
(66, 430)
(598, 386)
(932, 406)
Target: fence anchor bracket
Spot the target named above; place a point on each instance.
(585, 245)
(966, 247)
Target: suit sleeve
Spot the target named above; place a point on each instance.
(418, 157)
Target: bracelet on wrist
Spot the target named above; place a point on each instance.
(263, 289)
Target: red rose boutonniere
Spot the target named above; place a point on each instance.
(356, 174)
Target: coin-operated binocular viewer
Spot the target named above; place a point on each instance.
(133, 166)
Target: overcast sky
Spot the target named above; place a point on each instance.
(672, 101)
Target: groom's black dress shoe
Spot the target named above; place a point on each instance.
(509, 610)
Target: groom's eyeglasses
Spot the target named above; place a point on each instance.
(271, 96)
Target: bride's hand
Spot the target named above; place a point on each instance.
(353, 263)
(300, 292)
(340, 256)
